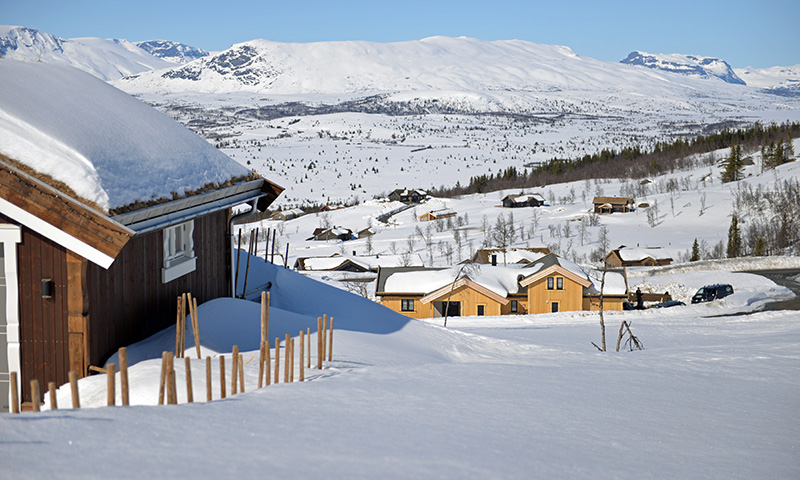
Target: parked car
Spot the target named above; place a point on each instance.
(712, 292)
(669, 303)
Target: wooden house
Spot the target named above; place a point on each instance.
(333, 233)
(523, 200)
(613, 204)
(94, 262)
(547, 285)
(408, 196)
(367, 232)
(364, 263)
(284, 215)
(512, 255)
(637, 257)
(436, 215)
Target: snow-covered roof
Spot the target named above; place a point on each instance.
(500, 280)
(634, 254)
(371, 262)
(107, 146)
(614, 284)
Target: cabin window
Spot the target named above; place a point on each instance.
(514, 306)
(549, 283)
(481, 310)
(179, 257)
(559, 283)
(407, 305)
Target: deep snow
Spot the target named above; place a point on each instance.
(493, 397)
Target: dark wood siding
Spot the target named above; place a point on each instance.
(128, 302)
(44, 339)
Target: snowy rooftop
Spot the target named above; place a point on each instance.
(633, 254)
(500, 280)
(109, 147)
(368, 262)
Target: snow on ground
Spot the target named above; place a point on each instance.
(492, 397)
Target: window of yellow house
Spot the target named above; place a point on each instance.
(560, 283)
(481, 310)
(407, 305)
(549, 283)
(514, 306)
(554, 307)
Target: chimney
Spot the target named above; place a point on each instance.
(494, 260)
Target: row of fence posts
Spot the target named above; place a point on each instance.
(167, 385)
(252, 251)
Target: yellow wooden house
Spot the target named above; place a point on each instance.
(547, 285)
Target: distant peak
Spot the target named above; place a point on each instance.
(691, 65)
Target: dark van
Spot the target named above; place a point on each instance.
(712, 292)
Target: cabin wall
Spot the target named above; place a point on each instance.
(394, 303)
(609, 303)
(128, 302)
(540, 299)
(44, 336)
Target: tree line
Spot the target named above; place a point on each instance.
(636, 161)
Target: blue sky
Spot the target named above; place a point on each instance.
(756, 33)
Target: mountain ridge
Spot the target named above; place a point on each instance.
(690, 65)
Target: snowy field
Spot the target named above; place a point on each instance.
(711, 396)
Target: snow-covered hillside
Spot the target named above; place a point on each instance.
(673, 210)
(440, 64)
(779, 80)
(692, 65)
(520, 396)
(107, 59)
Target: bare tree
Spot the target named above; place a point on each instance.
(502, 235)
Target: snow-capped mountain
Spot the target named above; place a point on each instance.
(778, 80)
(172, 52)
(108, 59)
(442, 68)
(704, 67)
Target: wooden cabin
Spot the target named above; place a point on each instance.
(546, 285)
(637, 257)
(408, 196)
(79, 279)
(284, 215)
(613, 204)
(436, 215)
(523, 200)
(523, 256)
(333, 233)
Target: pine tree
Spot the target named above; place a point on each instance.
(695, 252)
(734, 238)
(733, 165)
(760, 249)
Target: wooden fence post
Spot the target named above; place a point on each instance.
(208, 378)
(221, 376)
(308, 345)
(264, 316)
(291, 360)
(162, 385)
(324, 335)
(330, 340)
(236, 276)
(73, 384)
(277, 359)
(172, 394)
(51, 387)
(235, 370)
(267, 364)
(35, 395)
(287, 354)
(12, 380)
(123, 375)
(261, 365)
(111, 376)
(178, 327)
(247, 268)
(320, 334)
(241, 373)
(195, 325)
(302, 354)
(189, 389)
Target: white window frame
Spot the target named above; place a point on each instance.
(179, 256)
